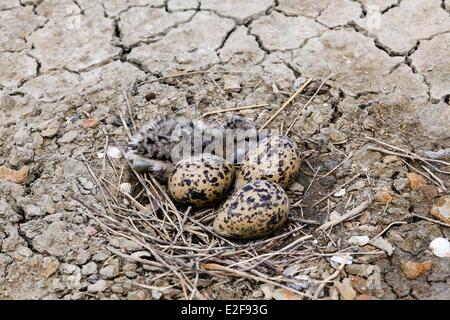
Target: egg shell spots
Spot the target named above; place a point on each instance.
(254, 210)
(200, 180)
(274, 158)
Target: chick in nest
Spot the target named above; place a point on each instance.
(164, 141)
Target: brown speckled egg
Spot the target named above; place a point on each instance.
(274, 158)
(200, 180)
(255, 209)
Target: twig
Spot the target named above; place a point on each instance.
(346, 216)
(216, 84)
(233, 109)
(388, 227)
(340, 164)
(129, 109)
(337, 189)
(218, 267)
(306, 104)
(300, 90)
(439, 181)
(313, 222)
(270, 254)
(185, 74)
(152, 287)
(125, 126)
(431, 220)
(331, 277)
(312, 181)
(407, 153)
(128, 257)
(422, 174)
(407, 156)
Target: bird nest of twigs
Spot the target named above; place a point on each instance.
(180, 240)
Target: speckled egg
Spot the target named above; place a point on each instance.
(200, 180)
(254, 210)
(274, 158)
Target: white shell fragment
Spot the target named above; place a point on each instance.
(440, 247)
(340, 193)
(383, 244)
(114, 152)
(337, 261)
(359, 240)
(125, 187)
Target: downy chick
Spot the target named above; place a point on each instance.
(162, 142)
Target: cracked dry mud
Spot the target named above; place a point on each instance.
(65, 61)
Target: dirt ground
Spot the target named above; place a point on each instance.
(72, 70)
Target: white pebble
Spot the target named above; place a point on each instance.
(339, 193)
(359, 240)
(336, 261)
(440, 247)
(383, 244)
(114, 152)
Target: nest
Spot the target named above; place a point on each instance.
(179, 242)
(180, 245)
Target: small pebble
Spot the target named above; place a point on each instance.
(86, 184)
(284, 294)
(33, 211)
(68, 137)
(17, 176)
(69, 268)
(99, 286)
(89, 268)
(340, 193)
(383, 244)
(413, 270)
(156, 294)
(267, 290)
(24, 251)
(441, 209)
(137, 295)
(232, 83)
(101, 256)
(400, 184)
(109, 272)
(57, 285)
(50, 130)
(440, 247)
(415, 180)
(337, 261)
(328, 181)
(345, 289)
(89, 123)
(359, 240)
(357, 269)
(73, 118)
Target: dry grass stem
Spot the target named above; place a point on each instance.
(300, 90)
(233, 109)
